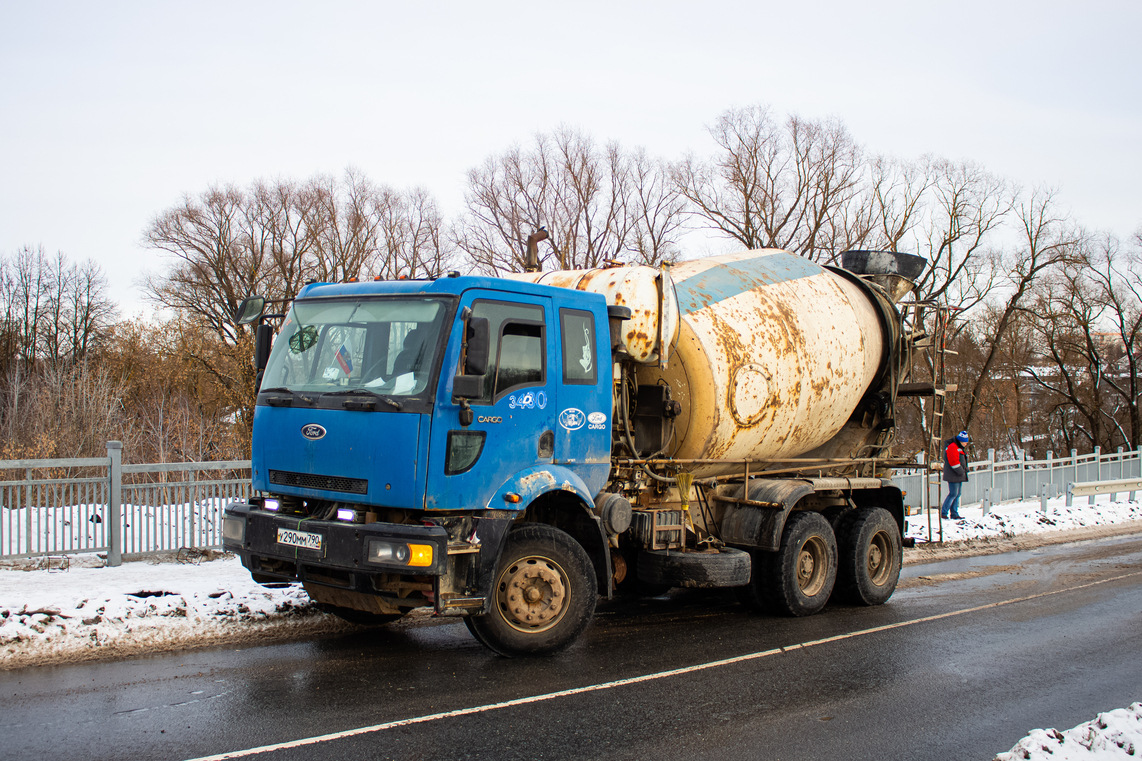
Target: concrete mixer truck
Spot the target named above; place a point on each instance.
(508, 450)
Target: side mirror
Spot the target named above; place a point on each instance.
(250, 310)
(263, 341)
(467, 386)
(478, 341)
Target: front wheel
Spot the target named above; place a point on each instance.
(871, 556)
(544, 594)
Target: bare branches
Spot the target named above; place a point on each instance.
(229, 243)
(598, 204)
(792, 185)
(51, 309)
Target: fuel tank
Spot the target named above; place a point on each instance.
(772, 356)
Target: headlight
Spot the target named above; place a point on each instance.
(234, 529)
(387, 552)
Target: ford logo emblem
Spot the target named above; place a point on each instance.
(313, 431)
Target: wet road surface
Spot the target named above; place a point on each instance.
(968, 656)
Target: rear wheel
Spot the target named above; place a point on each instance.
(544, 594)
(871, 554)
(797, 579)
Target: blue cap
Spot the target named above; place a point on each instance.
(963, 437)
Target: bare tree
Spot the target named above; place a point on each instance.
(1089, 320)
(229, 243)
(598, 204)
(1050, 242)
(965, 210)
(657, 210)
(794, 185)
(212, 270)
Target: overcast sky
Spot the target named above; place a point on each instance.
(110, 112)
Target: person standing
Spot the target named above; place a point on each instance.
(955, 473)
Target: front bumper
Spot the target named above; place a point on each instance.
(333, 553)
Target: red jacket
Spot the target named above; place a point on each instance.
(955, 462)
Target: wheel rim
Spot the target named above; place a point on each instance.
(879, 559)
(812, 566)
(532, 594)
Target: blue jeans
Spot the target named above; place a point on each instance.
(951, 506)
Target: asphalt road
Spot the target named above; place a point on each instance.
(967, 657)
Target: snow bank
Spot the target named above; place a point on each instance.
(1021, 518)
(92, 612)
(1113, 735)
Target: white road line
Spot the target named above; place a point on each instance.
(637, 679)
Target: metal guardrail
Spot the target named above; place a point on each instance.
(99, 505)
(1092, 488)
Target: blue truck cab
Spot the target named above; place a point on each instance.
(402, 427)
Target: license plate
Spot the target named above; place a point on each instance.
(304, 539)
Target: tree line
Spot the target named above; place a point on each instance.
(1047, 320)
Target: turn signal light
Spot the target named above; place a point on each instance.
(420, 555)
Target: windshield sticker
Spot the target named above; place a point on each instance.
(528, 400)
(303, 340)
(572, 419)
(345, 360)
(597, 421)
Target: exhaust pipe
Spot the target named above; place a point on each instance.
(531, 263)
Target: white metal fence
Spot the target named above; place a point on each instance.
(1023, 479)
(98, 504)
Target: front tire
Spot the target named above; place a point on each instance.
(871, 556)
(543, 597)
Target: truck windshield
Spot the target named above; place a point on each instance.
(385, 345)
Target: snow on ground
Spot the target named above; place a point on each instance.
(1111, 736)
(1022, 518)
(82, 611)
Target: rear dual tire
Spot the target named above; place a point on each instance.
(871, 556)
(798, 578)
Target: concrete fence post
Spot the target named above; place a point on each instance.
(1022, 474)
(991, 470)
(115, 503)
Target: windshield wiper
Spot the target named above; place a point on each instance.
(364, 392)
(277, 401)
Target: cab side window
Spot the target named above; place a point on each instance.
(580, 363)
(517, 350)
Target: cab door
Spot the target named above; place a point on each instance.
(583, 422)
(512, 418)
